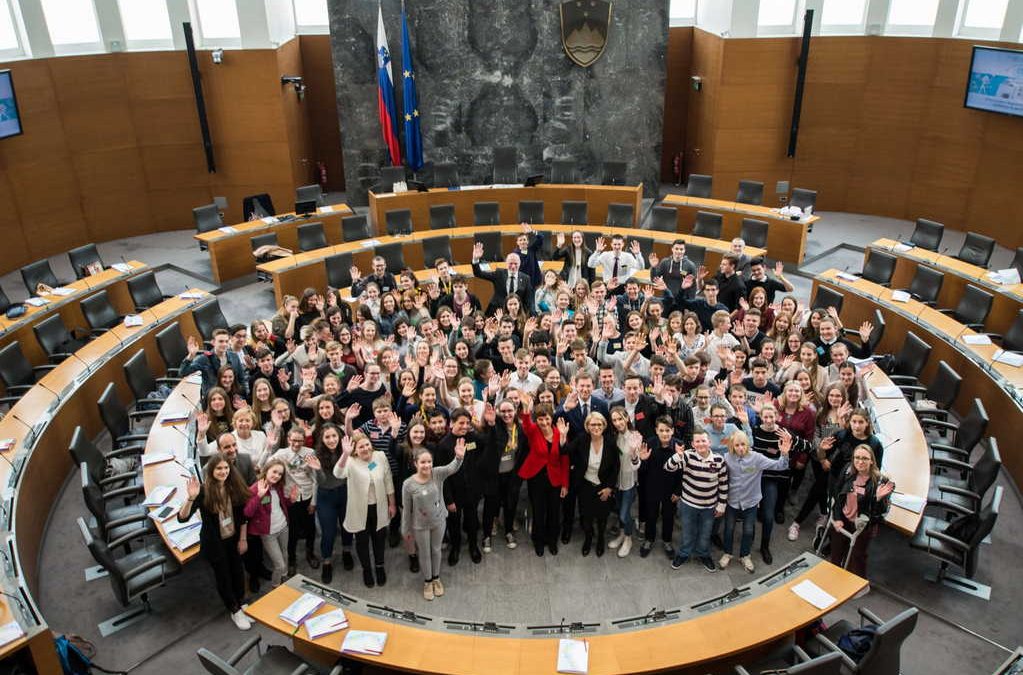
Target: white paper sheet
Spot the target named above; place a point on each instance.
(909, 502)
(298, 611)
(813, 594)
(122, 267)
(324, 624)
(978, 339)
(886, 392)
(847, 276)
(364, 642)
(151, 458)
(901, 296)
(133, 320)
(902, 248)
(227, 229)
(1009, 358)
(158, 495)
(370, 243)
(37, 302)
(573, 656)
(64, 291)
(9, 632)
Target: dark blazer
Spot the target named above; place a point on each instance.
(647, 412)
(565, 253)
(579, 456)
(499, 278)
(208, 364)
(574, 416)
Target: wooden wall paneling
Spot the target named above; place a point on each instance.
(702, 105)
(242, 97)
(14, 237)
(321, 105)
(296, 117)
(676, 94)
(50, 205)
(171, 208)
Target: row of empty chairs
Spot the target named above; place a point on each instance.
(506, 172)
(749, 192)
(41, 272)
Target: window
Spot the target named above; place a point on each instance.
(983, 18)
(311, 13)
(776, 16)
(218, 19)
(914, 17)
(843, 15)
(681, 12)
(10, 44)
(145, 21)
(72, 25)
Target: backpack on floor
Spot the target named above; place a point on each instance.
(75, 654)
(857, 642)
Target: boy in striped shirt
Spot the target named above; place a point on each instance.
(703, 496)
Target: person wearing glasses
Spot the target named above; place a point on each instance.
(594, 465)
(502, 483)
(863, 492)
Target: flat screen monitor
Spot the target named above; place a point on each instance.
(996, 81)
(10, 118)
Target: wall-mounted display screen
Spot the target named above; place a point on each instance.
(996, 81)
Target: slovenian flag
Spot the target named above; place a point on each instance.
(385, 93)
(413, 135)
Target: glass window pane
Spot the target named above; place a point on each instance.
(71, 22)
(682, 9)
(843, 12)
(8, 33)
(912, 12)
(311, 12)
(145, 19)
(985, 13)
(218, 19)
(776, 12)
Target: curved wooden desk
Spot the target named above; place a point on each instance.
(786, 238)
(1000, 386)
(230, 247)
(114, 281)
(597, 197)
(1008, 299)
(716, 637)
(295, 273)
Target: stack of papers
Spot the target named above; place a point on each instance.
(370, 243)
(573, 656)
(977, 339)
(269, 220)
(63, 291)
(886, 392)
(902, 248)
(324, 624)
(1007, 276)
(37, 302)
(10, 632)
(301, 609)
(1009, 358)
(909, 502)
(227, 229)
(159, 495)
(847, 276)
(151, 458)
(901, 296)
(183, 536)
(133, 320)
(364, 642)
(190, 296)
(325, 209)
(122, 267)
(6, 444)
(813, 594)
(171, 420)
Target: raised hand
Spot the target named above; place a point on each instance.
(409, 391)
(262, 487)
(355, 382)
(701, 273)
(599, 245)
(346, 446)
(477, 251)
(571, 401)
(460, 448)
(313, 462)
(659, 284)
(193, 347)
(784, 443)
(654, 259)
(394, 422)
(202, 423)
(779, 269)
(634, 247)
(561, 240)
(688, 281)
(489, 414)
(353, 411)
(885, 489)
(866, 328)
(644, 452)
(192, 487)
(680, 449)
(562, 427)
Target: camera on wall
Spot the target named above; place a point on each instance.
(296, 81)
(217, 55)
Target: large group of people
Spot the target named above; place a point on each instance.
(575, 402)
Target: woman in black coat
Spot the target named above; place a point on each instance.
(593, 471)
(507, 447)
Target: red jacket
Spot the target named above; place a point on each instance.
(258, 511)
(539, 457)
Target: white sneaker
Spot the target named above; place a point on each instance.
(625, 547)
(793, 531)
(509, 540)
(241, 620)
(487, 548)
(724, 561)
(617, 541)
(747, 563)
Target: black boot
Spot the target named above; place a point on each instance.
(413, 563)
(587, 544)
(381, 575)
(311, 557)
(453, 556)
(347, 561)
(327, 572)
(367, 577)
(600, 544)
(292, 569)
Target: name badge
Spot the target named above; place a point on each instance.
(470, 446)
(226, 522)
(372, 465)
(374, 435)
(640, 416)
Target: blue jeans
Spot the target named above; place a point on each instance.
(749, 528)
(696, 527)
(626, 498)
(331, 506)
(771, 489)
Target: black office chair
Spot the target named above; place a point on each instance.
(309, 193)
(445, 175)
(885, 654)
(926, 285)
(1017, 262)
(257, 206)
(696, 253)
(699, 185)
(574, 213)
(875, 335)
(172, 347)
(614, 173)
(958, 543)
(393, 257)
(910, 360)
(116, 525)
(879, 267)
(800, 663)
(143, 383)
(941, 393)
(339, 270)
(209, 317)
(442, 216)
(389, 175)
(83, 257)
(663, 219)
(399, 222)
(707, 225)
(491, 246)
(99, 313)
(960, 496)
(506, 163)
(1013, 339)
(646, 245)
(486, 213)
(927, 234)
(563, 172)
(977, 249)
(311, 237)
(754, 232)
(207, 219)
(826, 297)
(355, 228)
(132, 577)
(972, 309)
(37, 273)
(276, 660)
(257, 242)
(17, 374)
(55, 338)
(750, 192)
(5, 302)
(803, 198)
(531, 212)
(145, 292)
(105, 469)
(119, 421)
(620, 215)
(436, 247)
(962, 436)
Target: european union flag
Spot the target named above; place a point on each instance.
(413, 136)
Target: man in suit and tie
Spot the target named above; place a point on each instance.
(209, 362)
(577, 406)
(505, 281)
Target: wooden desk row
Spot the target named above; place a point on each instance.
(295, 273)
(999, 385)
(1008, 299)
(597, 198)
(786, 238)
(114, 281)
(690, 645)
(43, 421)
(230, 248)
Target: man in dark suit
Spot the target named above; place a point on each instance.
(577, 406)
(575, 257)
(505, 281)
(641, 408)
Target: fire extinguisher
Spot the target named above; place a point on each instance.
(321, 173)
(676, 166)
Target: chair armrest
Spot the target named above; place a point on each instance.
(960, 455)
(138, 414)
(137, 518)
(869, 616)
(801, 654)
(143, 567)
(951, 464)
(19, 388)
(9, 400)
(57, 357)
(137, 533)
(946, 311)
(948, 506)
(96, 332)
(908, 379)
(44, 368)
(960, 492)
(123, 492)
(941, 424)
(244, 649)
(118, 478)
(832, 647)
(739, 670)
(978, 327)
(126, 450)
(168, 380)
(912, 388)
(127, 438)
(951, 541)
(301, 669)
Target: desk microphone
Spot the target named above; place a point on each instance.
(889, 412)
(21, 605)
(125, 262)
(195, 406)
(15, 469)
(889, 446)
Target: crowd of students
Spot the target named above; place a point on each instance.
(411, 415)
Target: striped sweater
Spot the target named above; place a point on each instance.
(704, 479)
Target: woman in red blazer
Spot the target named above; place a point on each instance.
(545, 471)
